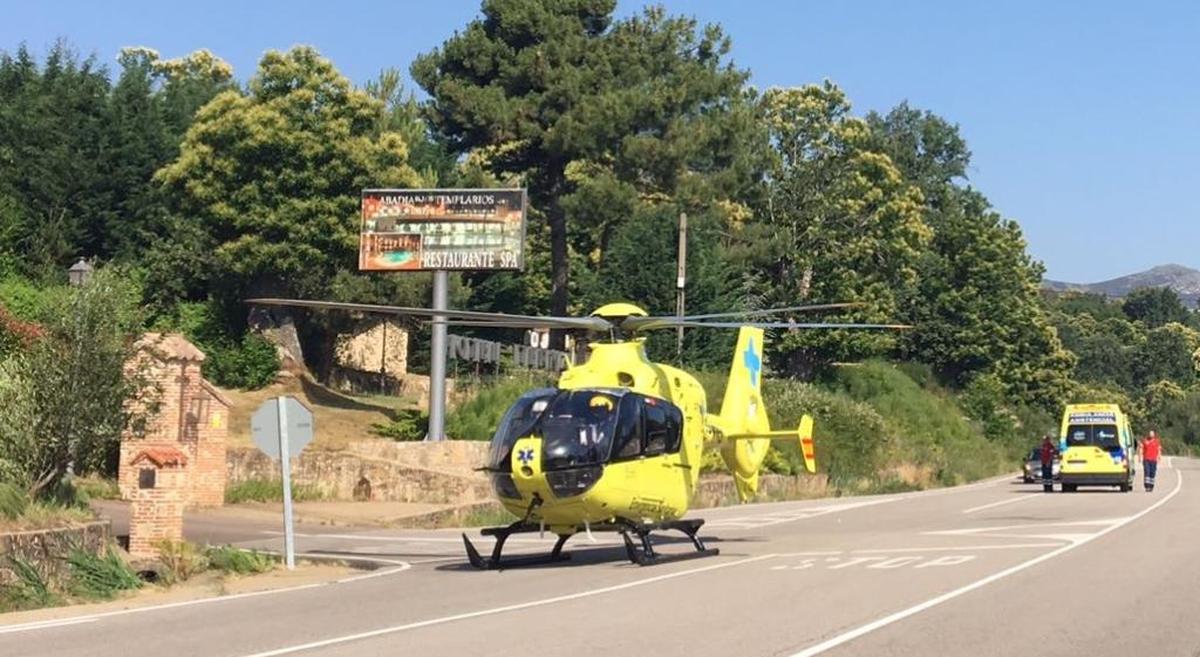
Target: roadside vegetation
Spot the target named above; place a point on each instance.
(92, 577)
(270, 490)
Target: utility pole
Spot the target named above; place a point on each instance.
(437, 361)
(680, 283)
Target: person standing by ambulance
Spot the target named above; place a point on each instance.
(1150, 451)
(1049, 451)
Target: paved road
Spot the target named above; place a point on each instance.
(990, 569)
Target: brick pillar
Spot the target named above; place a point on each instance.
(209, 469)
(156, 509)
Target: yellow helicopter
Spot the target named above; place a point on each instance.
(617, 445)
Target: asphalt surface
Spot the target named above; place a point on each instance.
(996, 568)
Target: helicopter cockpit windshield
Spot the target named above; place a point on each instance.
(577, 428)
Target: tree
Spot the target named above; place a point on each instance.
(273, 175)
(839, 224)
(578, 105)
(52, 160)
(977, 307)
(1155, 307)
(66, 398)
(1166, 355)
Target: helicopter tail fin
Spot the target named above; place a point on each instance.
(743, 429)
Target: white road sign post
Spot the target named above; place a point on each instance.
(281, 427)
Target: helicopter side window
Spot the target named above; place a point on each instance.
(628, 442)
(662, 428)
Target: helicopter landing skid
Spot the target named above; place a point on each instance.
(502, 533)
(644, 555)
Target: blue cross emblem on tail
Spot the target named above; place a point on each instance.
(752, 362)
(525, 456)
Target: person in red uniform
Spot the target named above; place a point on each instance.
(1049, 451)
(1150, 451)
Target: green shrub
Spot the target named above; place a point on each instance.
(250, 364)
(181, 560)
(13, 501)
(229, 559)
(478, 417)
(407, 425)
(850, 436)
(931, 429)
(29, 590)
(97, 488)
(100, 576)
(269, 490)
(233, 360)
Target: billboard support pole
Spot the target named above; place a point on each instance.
(437, 360)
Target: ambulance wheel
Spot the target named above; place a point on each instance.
(1126, 487)
(1069, 488)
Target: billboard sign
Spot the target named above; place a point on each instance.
(440, 229)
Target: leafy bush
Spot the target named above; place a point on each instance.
(407, 425)
(97, 488)
(229, 559)
(100, 576)
(851, 437)
(246, 361)
(930, 427)
(478, 417)
(269, 490)
(13, 501)
(250, 364)
(181, 560)
(29, 590)
(65, 400)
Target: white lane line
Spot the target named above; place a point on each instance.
(51, 623)
(395, 539)
(400, 566)
(1036, 525)
(993, 505)
(500, 610)
(957, 548)
(945, 597)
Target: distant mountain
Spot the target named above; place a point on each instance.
(1184, 280)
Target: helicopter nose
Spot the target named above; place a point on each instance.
(527, 459)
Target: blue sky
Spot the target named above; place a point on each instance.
(1083, 116)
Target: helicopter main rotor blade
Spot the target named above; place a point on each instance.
(501, 320)
(650, 323)
(773, 325)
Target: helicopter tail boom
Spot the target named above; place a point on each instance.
(802, 435)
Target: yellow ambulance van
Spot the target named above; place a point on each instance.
(1097, 447)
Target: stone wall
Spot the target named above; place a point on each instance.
(46, 548)
(436, 473)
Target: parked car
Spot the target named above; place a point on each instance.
(1033, 466)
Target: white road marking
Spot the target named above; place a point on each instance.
(1011, 546)
(948, 561)
(896, 562)
(401, 566)
(993, 505)
(500, 610)
(945, 597)
(25, 627)
(1038, 525)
